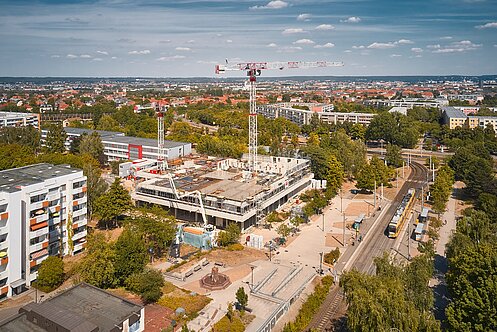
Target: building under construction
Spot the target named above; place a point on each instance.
(219, 191)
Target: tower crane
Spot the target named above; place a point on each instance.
(253, 70)
(161, 151)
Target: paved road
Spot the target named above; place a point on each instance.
(375, 242)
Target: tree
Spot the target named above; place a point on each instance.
(97, 267)
(147, 283)
(56, 139)
(113, 203)
(14, 155)
(283, 230)
(377, 171)
(92, 145)
(130, 254)
(393, 155)
(229, 236)
(27, 136)
(242, 297)
(95, 184)
(157, 232)
(50, 274)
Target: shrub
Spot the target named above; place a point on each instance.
(225, 325)
(148, 284)
(310, 307)
(332, 256)
(50, 274)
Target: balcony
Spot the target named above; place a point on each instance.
(39, 205)
(39, 232)
(39, 246)
(79, 246)
(4, 246)
(4, 260)
(79, 235)
(80, 212)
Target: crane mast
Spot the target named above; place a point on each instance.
(161, 152)
(253, 70)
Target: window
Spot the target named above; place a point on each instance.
(135, 327)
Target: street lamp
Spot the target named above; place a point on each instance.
(321, 263)
(252, 289)
(343, 215)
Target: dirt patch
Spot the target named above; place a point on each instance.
(235, 258)
(112, 234)
(335, 239)
(356, 208)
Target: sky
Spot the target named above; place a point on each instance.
(186, 38)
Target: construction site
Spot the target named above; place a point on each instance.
(219, 191)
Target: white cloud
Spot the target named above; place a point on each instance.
(97, 59)
(347, 51)
(103, 52)
(290, 31)
(360, 47)
(456, 47)
(229, 41)
(289, 49)
(139, 52)
(324, 27)
(170, 58)
(395, 55)
(275, 4)
(495, 45)
(114, 58)
(191, 41)
(405, 41)
(271, 45)
(55, 56)
(183, 49)
(352, 19)
(207, 62)
(382, 45)
(435, 46)
(417, 50)
(303, 42)
(167, 41)
(446, 38)
(71, 56)
(327, 45)
(304, 17)
(85, 56)
(487, 25)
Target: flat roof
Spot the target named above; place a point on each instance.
(12, 180)
(19, 322)
(144, 141)
(6, 115)
(84, 306)
(102, 133)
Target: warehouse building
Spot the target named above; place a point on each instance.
(118, 146)
(42, 213)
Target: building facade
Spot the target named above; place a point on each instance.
(454, 117)
(226, 194)
(408, 102)
(324, 112)
(118, 146)
(17, 119)
(42, 213)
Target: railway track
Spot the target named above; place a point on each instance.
(331, 317)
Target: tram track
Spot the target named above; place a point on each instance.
(331, 316)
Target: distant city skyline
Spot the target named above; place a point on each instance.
(186, 38)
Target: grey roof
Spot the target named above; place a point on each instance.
(18, 323)
(80, 308)
(102, 133)
(4, 115)
(119, 137)
(13, 179)
(143, 141)
(452, 112)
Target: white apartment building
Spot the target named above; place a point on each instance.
(42, 213)
(410, 103)
(118, 146)
(17, 119)
(303, 117)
